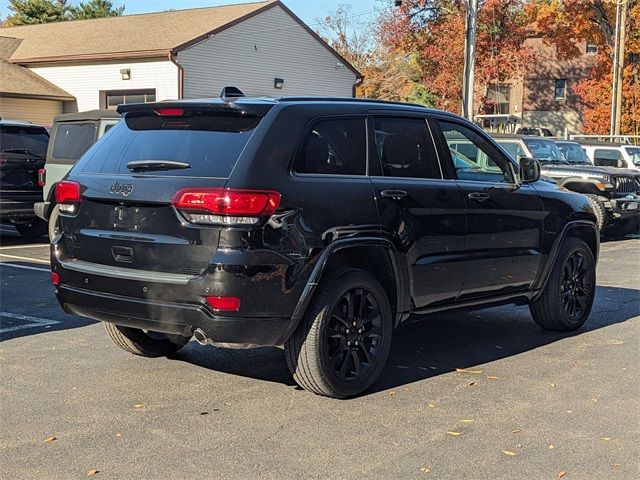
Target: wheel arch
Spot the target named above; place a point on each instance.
(374, 255)
(582, 229)
(581, 185)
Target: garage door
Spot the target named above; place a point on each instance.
(35, 111)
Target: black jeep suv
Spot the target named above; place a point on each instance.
(23, 147)
(317, 224)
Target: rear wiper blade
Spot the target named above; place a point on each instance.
(156, 165)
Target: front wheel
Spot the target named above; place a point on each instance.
(143, 342)
(342, 344)
(566, 301)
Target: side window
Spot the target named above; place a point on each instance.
(73, 139)
(514, 149)
(606, 157)
(405, 148)
(334, 147)
(474, 158)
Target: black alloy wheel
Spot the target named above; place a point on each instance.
(576, 286)
(353, 334)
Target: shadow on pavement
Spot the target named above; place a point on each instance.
(435, 345)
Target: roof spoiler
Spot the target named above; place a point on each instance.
(229, 93)
(194, 107)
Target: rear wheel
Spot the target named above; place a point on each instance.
(566, 300)
(34, 229)
(342, 344)
(144, 342)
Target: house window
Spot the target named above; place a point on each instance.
(591, 49)
(500, 95)
(110, 99)
(561, 89)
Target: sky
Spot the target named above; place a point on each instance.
(309, 10)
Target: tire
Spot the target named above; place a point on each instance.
(566, 301)
(53, 222)
(34, 229)
(599, 210)
(325, 354)
(145, 344)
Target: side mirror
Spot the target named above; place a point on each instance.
(529, 170)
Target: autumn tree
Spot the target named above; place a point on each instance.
(567, 24)
(431, 34)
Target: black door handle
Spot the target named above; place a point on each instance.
(394, 194)
(479, 196)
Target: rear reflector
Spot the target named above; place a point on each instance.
(42, 177)
(55, 278)
(226, 304)
(68, 196)
(170, 112)
(226, 206)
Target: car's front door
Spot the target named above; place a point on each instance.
(422, 213)
(504, 218)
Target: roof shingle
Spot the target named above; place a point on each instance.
(20, 81)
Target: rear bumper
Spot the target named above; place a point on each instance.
(169, 317)
(42, 209)
(16, 209)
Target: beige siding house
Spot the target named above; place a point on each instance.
(260, 47)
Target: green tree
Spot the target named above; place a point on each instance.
(29, 12)
(95, 9)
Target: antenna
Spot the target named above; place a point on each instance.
(231, 92)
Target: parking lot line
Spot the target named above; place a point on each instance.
(33, 322)
(26, 259)
(24, 267)
(35, 245)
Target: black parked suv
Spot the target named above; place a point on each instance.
(317, 224)
(23, 147)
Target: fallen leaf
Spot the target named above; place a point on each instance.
(551, 447)
(552, 385)
(204, 413)
(517, 430)
(507, 452)
(138, 406)
(562, 474)
(392, 393)
(455, 434)
(407, 389)
(606, 439)
(49, 440)
(471, 384)
(617, 465)
(491, 377)
(595, 400)
(464, 370)
(431, 405)
(118, 434)
(518, 446)
(92, 473)
(227, 404)
(425, 470)
(466, 420)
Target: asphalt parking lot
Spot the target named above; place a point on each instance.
(527, 403)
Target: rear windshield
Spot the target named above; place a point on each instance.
(573, 153)
(72, 140)
(24, 139)
(210, 144)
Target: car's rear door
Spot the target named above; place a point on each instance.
(422, 213)
(504, 218)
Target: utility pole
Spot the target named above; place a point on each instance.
(469, 59)
(618, 67)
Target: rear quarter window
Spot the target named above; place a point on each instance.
(72, 140)
(210, 144)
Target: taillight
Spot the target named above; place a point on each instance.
(68, 196)
(42, 177)
(221, 206)
(55, 278)
(226, 304)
